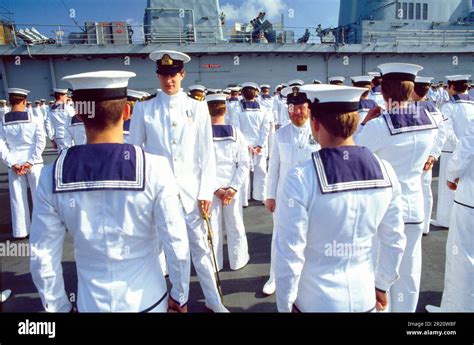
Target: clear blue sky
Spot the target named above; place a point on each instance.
(297, 13)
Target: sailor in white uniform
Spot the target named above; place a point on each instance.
(179, 128)
(324, 241)
(59, 115)
(283, 116)
(252, 121)
(337, 80)
(3, 107)
(365, 104)
(293, 145)
(115, 225)
(133, 96)
(266, 102)
(74, 132)
(232, 102)
(457, 113)
(279, 101)
(22, 142)
(403, 135)
(458, 294)
(197, 92)
(422, 86)
(29, 108)
(375, 93)
(232, 165)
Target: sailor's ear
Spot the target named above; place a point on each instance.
(183, 73)
(126, 112)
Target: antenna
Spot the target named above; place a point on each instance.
(72, 18)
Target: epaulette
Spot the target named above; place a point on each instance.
(147, 98)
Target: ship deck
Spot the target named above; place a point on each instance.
(242, 289)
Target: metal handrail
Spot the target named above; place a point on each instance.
(190, 34)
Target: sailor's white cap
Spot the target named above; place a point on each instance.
(297, 82)
(62, 91)
(278, 86)
(28, 102)
(283, 85)
(169, 62)
(213, 91)
(316, 81)
(3, 101)
(37, 101)
(290, 89)
(375, 74)
(251, 85)
(362, 79)
(265, 86)
(217, 97)
(458, 77)
(145, 94)
(113, 85)
(226, 91)
(423, 80)
(333, 98)
(399, 71)
(337, 78)
(42, 100)
(235, 88)
(17, 91)
(197, 88)
(135, 94)
(51, 102)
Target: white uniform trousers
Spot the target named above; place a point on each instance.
(230, 218)
(426, 179)
(259, 168)
(458, 294)
(20, 210)
(405, 291)
(445, 195)
(272, 252)
(201, 257)
(271, 135)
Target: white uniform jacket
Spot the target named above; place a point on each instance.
(179, 128)
(75, 133)
(22, 139)
(440, 139)
(232, 156)
(364, 107)
(116, 210)
(375, 94)
(280, 107)
(331, 207)
(291, 147)
(252, 122)
(58, 117)
(232, 103)
(462, 166)
(405, 140)
(457, 113)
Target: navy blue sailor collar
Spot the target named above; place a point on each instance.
(349, 168)
(14, 117)
(416, 117)
(367, 104)
(223, 133)
(250, 105)
(92, 167)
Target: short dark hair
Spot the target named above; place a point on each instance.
(106, 113)
(217, 108)
(377, 81)
(249, 93)
(460, 86)
(16, 99)
(421, 90)
(341, 125)
(397, 90)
